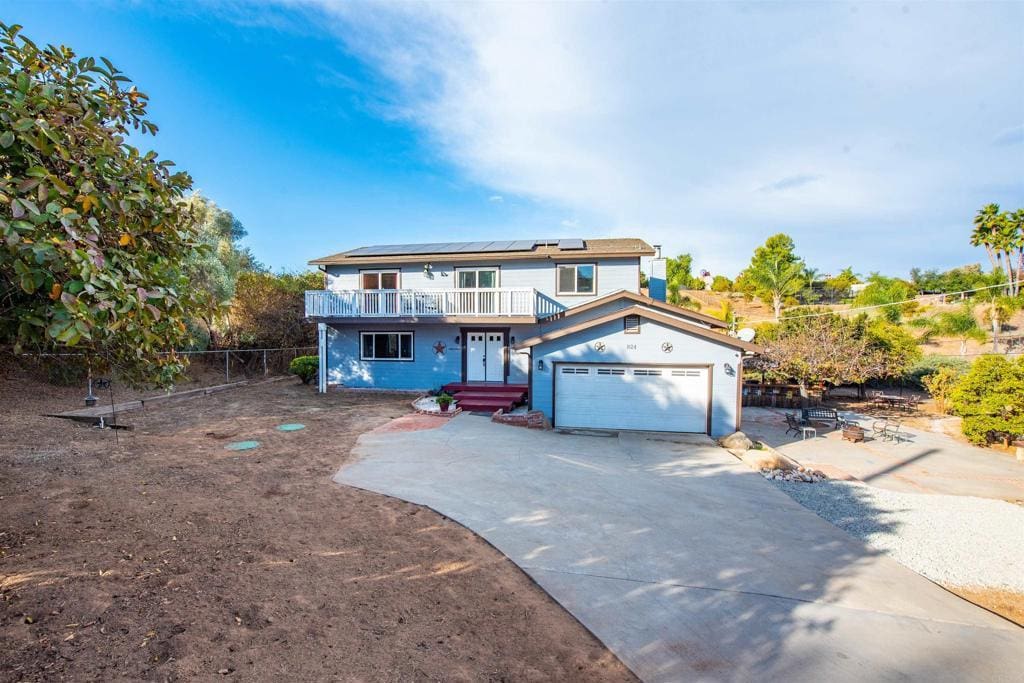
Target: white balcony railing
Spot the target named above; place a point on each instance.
(421, 303)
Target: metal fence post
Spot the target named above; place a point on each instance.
(264, 362)
(227, 367)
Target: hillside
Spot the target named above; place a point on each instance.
(756, 311)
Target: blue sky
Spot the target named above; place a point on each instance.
(869, 132)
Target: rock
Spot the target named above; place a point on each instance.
(737, 441)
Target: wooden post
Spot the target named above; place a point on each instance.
(227, 367)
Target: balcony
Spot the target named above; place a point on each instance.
(503, 302)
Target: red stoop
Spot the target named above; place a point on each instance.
(486, 397)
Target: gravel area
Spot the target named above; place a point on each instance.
(953, 540)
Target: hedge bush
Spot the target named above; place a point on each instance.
(305, 367)
(929, 365)
(990, 398)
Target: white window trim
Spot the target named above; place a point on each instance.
(477, 269)
(558, 279)
(412, 347)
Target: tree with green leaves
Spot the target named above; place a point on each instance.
(892, 296)
(960, 325)
(996, 309)
(838, 286)
(1001, 234)
(990, 399)
(214, 270)
(269, 310)
(775, 272)
(824, 348)
(94, 231)
(678, 273)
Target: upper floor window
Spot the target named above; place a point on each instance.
(577, 278)
(477, 278)
(379, 279)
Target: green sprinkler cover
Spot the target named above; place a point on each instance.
(292, 427)
(242, 445)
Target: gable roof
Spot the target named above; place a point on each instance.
(644, 301)
(667, 320)
(491, 251)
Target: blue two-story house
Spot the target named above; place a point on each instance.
(559, 324)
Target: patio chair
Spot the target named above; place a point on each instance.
(793, 424)
(893, 432)
(878, 428)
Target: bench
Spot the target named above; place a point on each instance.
(820, 415)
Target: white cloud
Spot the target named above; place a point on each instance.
(707, 127)
(496, 199)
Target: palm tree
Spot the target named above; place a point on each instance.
(1015, 241)
(987, 224)
(776, 280)
(995, 309)
(961, 325)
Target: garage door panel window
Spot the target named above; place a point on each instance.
(577, 278)
(386, 346)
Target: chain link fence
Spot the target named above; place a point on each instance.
(205, 368)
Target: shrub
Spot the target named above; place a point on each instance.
(721, 284)
(990, 398)
(305, 367)
(929, 365)
(940, 386)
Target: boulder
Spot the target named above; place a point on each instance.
(736, 441)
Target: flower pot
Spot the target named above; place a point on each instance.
(443, 407)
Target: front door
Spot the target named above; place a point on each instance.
(485, 356)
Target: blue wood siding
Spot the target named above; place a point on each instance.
(686, 349)
(428, 369)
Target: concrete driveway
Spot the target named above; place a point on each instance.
(685, 563)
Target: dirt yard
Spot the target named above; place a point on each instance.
(166, 556)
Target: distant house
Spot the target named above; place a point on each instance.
(559, 324)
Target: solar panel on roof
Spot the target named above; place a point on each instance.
(460, 247)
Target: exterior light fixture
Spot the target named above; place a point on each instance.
(457, 339)
(540, 363)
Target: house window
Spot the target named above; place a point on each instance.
(379, 279)
(631, 324)
(385, 345)
(477, 278)
(577, 278)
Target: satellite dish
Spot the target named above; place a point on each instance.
(746, 334)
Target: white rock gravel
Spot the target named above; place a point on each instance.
(952, 540)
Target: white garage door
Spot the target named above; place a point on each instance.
(641, 397)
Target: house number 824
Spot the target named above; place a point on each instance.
(631, 347)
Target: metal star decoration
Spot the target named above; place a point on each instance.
(667, 347)
(439, 348)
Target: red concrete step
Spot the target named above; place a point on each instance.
(519, 395)
(486, 404)
(494, 388)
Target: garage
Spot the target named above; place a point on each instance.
(664, 398)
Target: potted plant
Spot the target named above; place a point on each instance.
(443, 401)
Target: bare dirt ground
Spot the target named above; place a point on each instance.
(166, 557)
